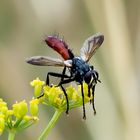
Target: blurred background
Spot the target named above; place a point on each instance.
(24, 25)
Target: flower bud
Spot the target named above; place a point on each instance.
(20, 109)
(37, 84)
(55, 96)
(34, 107)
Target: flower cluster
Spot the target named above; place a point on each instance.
(54, 96)
(16, 119)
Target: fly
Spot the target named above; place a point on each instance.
(80, 70)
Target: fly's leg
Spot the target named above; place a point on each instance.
(62, 76)
(48, 81)
(67, 101)
(89, 94)
(84, 110)
(63, 73)
(66, 81)
(93, 91)
(61, 85)
(96, 76)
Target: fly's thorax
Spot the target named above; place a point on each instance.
(79, 68)
(79, 65)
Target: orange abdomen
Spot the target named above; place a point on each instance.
(59, 46)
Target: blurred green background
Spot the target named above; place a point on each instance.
(23, 26)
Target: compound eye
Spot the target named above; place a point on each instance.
(88, 77)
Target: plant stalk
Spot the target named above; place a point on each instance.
(11, 135)
(50, 125)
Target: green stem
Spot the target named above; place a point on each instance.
(11, 135)
(50, 125)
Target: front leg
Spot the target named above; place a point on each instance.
(93, 104)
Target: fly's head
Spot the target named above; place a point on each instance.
(91, 77)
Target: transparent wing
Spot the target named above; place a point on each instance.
(90, 46)
(47, 61)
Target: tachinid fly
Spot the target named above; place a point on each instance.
(78, 67)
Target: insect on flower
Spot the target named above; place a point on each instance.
(78, 67)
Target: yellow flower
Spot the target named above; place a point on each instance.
(16, 118)
(34, 107)
(54, 96)
(37, 84)
(20, 109)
